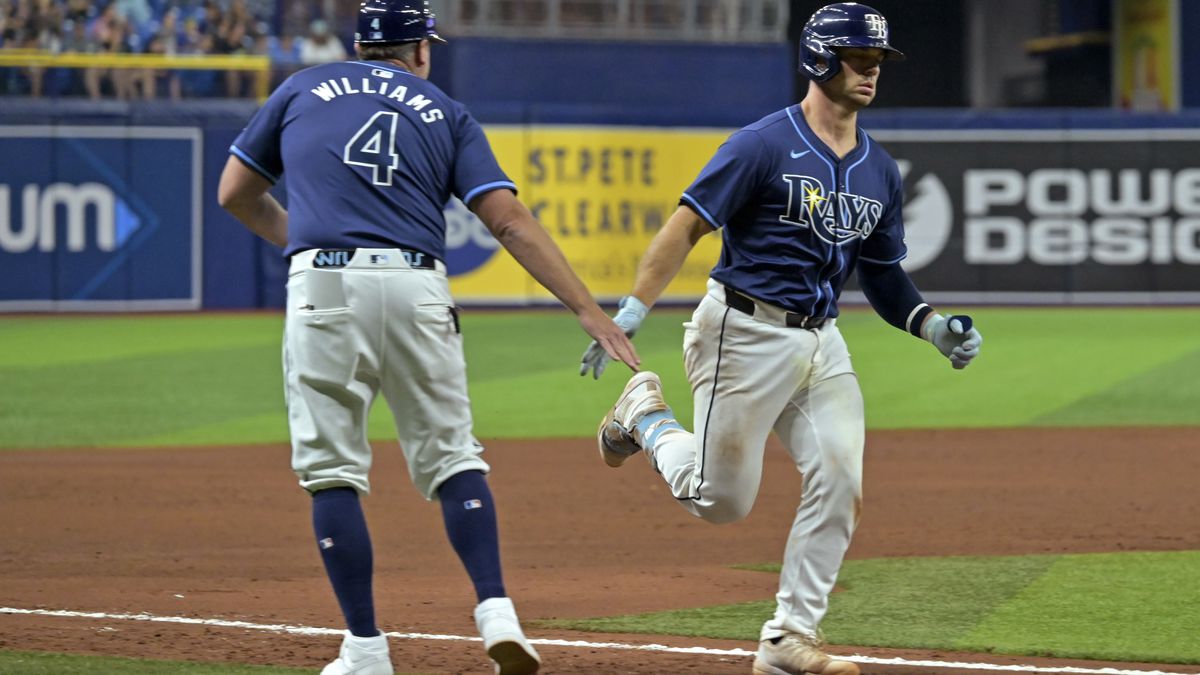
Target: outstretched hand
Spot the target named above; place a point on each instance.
(611, 337)
(955, 337)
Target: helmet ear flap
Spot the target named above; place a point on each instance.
(819, 62)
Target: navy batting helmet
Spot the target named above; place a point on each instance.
(845, 24)
(389, 21)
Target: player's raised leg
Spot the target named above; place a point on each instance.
(742, 372)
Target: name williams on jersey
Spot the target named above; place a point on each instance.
(343, 86)
(836, 217)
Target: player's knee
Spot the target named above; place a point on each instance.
(725, 509)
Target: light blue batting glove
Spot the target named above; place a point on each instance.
(955, 337)
(629, 319)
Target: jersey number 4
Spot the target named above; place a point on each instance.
(374, 145)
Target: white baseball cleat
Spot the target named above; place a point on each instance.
(796, 654)
(361, 656)
(616, 435)
(496, 619)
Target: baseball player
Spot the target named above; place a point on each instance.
(803, 197)
(373, 152)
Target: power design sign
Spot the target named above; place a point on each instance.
(1052, 216)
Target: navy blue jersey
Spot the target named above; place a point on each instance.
(373, 154)
(796, 218)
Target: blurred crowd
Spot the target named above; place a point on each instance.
(300, 37)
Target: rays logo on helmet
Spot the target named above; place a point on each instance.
(877, 26)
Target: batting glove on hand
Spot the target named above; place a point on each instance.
(955, 337)
(629, 319)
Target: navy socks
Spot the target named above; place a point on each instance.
(470, 518)
(345, 547)
(345, 544)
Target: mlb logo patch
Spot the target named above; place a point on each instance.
(327, 543)
(378, 259)
(472, 504)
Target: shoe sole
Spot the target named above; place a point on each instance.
(512, 659)
(616, 458)
(763, 668)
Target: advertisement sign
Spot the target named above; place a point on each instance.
(1146, 54)
(602, 192)
(1105, 216)
(99, 218)
(1007, 216)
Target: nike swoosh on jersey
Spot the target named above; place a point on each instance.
(798, 155)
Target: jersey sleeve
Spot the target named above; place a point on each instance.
(476, 170)
(258, 145)
(729, 179)
(885, 244)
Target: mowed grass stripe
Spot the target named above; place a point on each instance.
(43, 663)
(1122, 607)
(131, 399)
(216, 379)
(1166, 395)
(1034, 361)
(1114, 606)
(896, 602)
(60, 340)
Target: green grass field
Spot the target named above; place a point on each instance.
(73, 381)
(1115, 606)
(38, 663)
(215, 379)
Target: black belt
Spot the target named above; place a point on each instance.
(340, 257)
(791, 319)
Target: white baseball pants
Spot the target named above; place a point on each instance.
(750, 375)
(375, 326)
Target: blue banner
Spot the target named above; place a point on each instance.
(100, 218)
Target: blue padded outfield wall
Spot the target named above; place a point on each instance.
(112, 206)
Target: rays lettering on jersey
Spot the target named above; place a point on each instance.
(809, 205)
(342, 86)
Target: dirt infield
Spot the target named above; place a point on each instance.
(224, 533)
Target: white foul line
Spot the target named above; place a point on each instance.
(309, 630)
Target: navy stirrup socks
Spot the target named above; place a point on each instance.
(470, 517)
(345, 546)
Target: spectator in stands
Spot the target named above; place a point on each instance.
(43, 31)
(136, 12)
(79, 11)
(115, 35)
(321, 46)
(77, 41)
(166, 42)
(235, 34)
(194, 40)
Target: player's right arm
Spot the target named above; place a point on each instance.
(254, 165)
(243, 193)
(662, 261)
(666, 254)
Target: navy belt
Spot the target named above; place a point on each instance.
(791, 319)
(335, 258)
